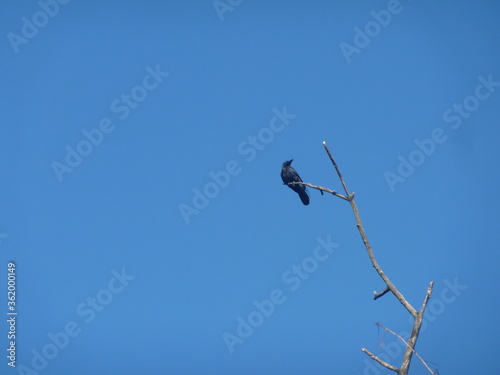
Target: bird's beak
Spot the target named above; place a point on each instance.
(290, 161)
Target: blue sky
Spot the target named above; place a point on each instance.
(119, 115)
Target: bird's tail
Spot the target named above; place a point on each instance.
(304, 197)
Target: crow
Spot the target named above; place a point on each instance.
(289, 174)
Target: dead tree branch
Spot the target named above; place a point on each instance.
(377, 359)
(412, 341)
(390, 287)
(378, 295)
(368, 247)
(320, 189)
(407, 346)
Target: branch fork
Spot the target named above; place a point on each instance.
(390, 287)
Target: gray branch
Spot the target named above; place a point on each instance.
(319, 188)
(390, 287)
(377, 359)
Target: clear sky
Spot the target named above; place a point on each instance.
(142, 205)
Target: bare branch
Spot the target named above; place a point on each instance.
(427, 296)
(383, 363)
(336, 168)
(378, 295)
(390, 287)
(319, 188)
(417, 324)
(407, 345)
(368, 247)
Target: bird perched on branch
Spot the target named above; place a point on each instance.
(289, 174)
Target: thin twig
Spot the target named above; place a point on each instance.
(337, 169)
(319, 188)
(378, 295)
(407, 345)
(368, 247)
(427, 296)
(383, 363)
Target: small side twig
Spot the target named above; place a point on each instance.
(320, 188)
(377, 359)
(378, 295)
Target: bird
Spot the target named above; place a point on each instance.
(289, 174)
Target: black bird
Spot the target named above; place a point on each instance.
(289, 174)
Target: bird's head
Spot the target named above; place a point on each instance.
(287, 163)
